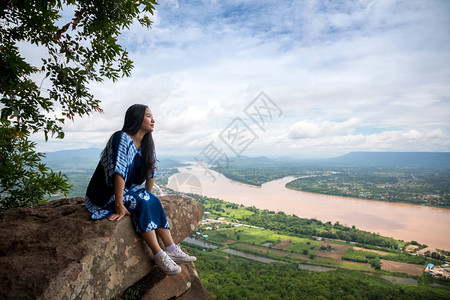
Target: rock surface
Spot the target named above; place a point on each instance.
(54, 251)
(185, 286)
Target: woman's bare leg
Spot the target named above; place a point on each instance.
(152, 241)
(165, 235)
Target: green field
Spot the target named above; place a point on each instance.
(232, 277)
(239, 228)
(293, 239)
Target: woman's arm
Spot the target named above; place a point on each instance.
(119, 186)
(149, 184)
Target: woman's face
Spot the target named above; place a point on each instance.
(148, 123)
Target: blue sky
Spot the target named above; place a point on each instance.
(345, 75)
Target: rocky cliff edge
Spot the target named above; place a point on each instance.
(54, 251)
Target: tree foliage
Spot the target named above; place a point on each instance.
(80, 39)
(237, 278)
(80, 50)
(24, 180)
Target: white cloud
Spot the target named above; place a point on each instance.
(185, 119)
(390, 140)
(436, 134)
(312, 129)
(332, 68)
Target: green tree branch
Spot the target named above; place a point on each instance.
(83, 49)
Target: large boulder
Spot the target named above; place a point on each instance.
(54, 251)
(185, 286)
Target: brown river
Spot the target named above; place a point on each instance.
(426, 225)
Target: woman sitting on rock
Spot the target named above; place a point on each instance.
(115, 188)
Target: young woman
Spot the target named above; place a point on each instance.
(115, 188)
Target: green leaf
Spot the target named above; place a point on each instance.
(74, 58)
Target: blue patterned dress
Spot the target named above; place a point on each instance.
(121, 156)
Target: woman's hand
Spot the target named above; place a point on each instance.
(121, 211)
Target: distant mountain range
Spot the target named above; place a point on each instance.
(69, 159)
(81, 153)
(88, 158)
(401, 159)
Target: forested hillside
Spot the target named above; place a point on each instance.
(291, 249)
(231, 277)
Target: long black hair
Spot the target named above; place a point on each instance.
(133, 119)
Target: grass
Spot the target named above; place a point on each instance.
(258, 236)
(261, 242)
(231, 212)
(251, 240)
(270, 252)
(300, 247)
(341, 264)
